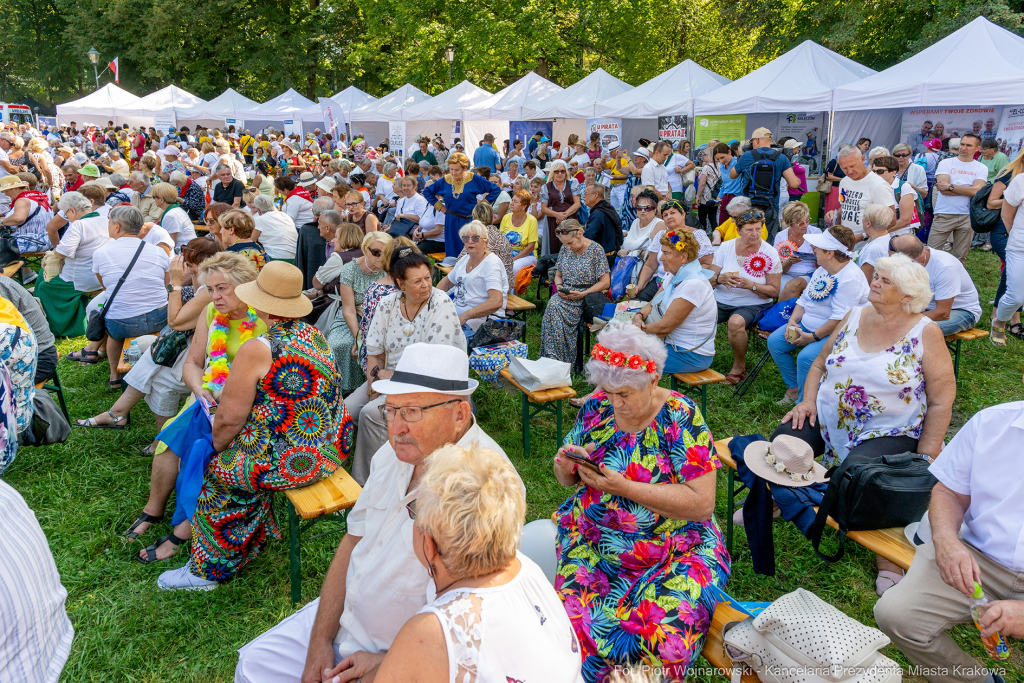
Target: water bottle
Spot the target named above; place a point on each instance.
(134, 352)
(994, 644)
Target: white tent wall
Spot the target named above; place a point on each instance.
(635, 129)
(475, 131)
(562, 128)
(881, 125)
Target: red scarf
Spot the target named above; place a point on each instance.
(36, 196)
(188, 184)
(79, 181)
(300, 191)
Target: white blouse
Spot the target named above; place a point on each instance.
(436, 323)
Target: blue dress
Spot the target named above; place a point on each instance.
(459, 201)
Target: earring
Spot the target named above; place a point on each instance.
(430, 570)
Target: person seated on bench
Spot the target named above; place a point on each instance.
(796, 271)
(653, 272)
(477, 284)
(685, 312)
(29, 307)
(954, 306)
(979, 495)
(748, 273)
(727, 231)
(497, 243)
(653, 495)
(876, 221)
(495, 609)
(865, 394)
(375, 584)
(836, 286)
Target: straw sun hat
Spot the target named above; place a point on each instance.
(786, 460)
(277, 290)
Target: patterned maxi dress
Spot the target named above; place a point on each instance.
(339, 336)
(562, 316)
(297, 434)
(374, 293)
(633, 582)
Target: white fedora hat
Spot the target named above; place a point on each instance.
(434, 368)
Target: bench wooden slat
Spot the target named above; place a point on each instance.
(11, 269)
(968, 335)
(546, 396)
(338, 492)
(437, 257)
(443, 269)
(516, 304)
(696, 379)
(123, 365)
(714, 649)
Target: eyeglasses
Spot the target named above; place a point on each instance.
(565, 233)
(410, 507)
(880, 171)
(901, 156)
(376, 252)
(353, 204)
(645, 208)
(472, 238)
(410, 413)
(752, 216)
(560, 170)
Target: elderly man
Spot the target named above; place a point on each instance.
(375, 583)
(603, 225)
(955, 306)
(6, 145)
(975, 517)
(766, 199)
(859, 189)
(486, 155)
(142, 200)
(193, 199)
(117, 163)
(311, 247)
(956, 181)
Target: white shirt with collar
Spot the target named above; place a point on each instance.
(386, 584)
(656, 175)
(982, 462)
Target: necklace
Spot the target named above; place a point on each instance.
(409, 328)
(217, 372)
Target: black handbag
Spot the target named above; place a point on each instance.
(48, 424)
(868, 493)
(9, 252)
(96, 329)
(401, 227)
(983, 219)
(593, 306)
(496, 331)
(169, 345)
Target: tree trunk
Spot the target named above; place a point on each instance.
(542, 67)
(313, 52)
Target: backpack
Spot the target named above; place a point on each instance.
(762, 178)
(983, 219)
(918, 204)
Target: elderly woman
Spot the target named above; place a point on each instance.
(652, 274)
(172, 163)
(357, 213)
(875, 219)
(800, 264)
(273, 229)
(380, 289)
(356, 276)
(559, 199)
(236, 228)
(837, 286)
(685, 314)
(211, 217)
(581, 269)
(883, 382)
(193, 199)
(727, 230)
(646, 224)
(284, 384)
(346, 244)
(637, 540)
(520, 229)
(477, 284)
(298, 204)
(418, 313)
(27, 215)
(140, 306)
(908, 220)
(455, 195)
(468, 517)
(496, 240)
(173, 218)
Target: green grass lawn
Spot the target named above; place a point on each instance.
(86, 491)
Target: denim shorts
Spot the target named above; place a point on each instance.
(138, 325)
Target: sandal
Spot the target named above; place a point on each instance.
(734, 378)
(131, 534)
(998, 335)
(84, 356)
(148, 452)
(1016, 330)
(114, 384)
(92, 423)
(151, 549)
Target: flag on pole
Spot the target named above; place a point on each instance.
(113, 67)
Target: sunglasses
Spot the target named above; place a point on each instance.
(645, 208)
(376, 252)
(411, 508)
(901, 156)
(880, 171)
(752, 216)
(471, 238)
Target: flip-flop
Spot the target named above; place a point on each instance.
(131, 534)
(84, 357)
(93, 424)
(114, 384)
(151, 549)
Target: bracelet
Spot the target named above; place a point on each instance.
(814, 333)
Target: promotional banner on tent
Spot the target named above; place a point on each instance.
(805, 126)
(396, 135)
(334, 116)
(672, 128)
(725, 127)
(921, 125)
(239, 124)
(610, 130)
(164, 122)
(293, 126)
(524, 130)
(1010, 135)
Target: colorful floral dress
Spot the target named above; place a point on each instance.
(562, 316)
(297, 434)
(374, 293)
(864, 396)
(634, 582)
(8, 421)
(339, 336)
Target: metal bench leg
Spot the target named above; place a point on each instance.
(743, 386)
(558, 421)
(956, 362)
(674, 384)
(56, 386)
(294, 556)
(526, 425)
(704, 401)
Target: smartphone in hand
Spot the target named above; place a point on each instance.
(581, 461)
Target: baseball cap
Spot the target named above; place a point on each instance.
(792, 144)
(761, 133)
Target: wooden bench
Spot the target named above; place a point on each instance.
(335, 494)
(889, 543)
(32, 260)
(11, 269)
(437, 257)
(698, 379)
(201, 228)
(516, 307)
(953, 341)
(123, 365)
(536, 402)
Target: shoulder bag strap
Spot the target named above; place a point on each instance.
(828, 502)
(110, 299)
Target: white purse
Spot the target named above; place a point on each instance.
(800, 638)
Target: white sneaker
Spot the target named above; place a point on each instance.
(184, 579)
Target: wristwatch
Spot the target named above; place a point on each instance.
(754, 288)
(173, 288)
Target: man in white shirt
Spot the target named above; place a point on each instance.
(956, 181)
(678, 166)
(859, 189)
(655, 174)
(955, 306)
(6, 144)
(979, 496)
(375, 583)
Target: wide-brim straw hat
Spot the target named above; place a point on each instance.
(11, 182)
(277, 290)
(786, 460)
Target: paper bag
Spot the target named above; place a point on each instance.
(538, 375)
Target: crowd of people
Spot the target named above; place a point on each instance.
(288, 285)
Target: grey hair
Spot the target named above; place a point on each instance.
(389, 167)
(846, 149)
(954, 144)
(474, 228)
(594, 185)
(9, 137)
(629, 340)
(738, 206)
(140, 177)
(902, 147)
(128, 217)
(75, 200)
(910, 277)
(879, 151)
(176, 177)
(331, 216)
(74, 166)
(321, 204)
(263, 203)
(223, 166)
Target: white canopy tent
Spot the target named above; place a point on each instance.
(671, 93)
(438, 114)
(371, 120)
(571, 108)
(213, 113)
(286, 106)
(167, 101)
(97, 107)
(508, 104)
(349, 99)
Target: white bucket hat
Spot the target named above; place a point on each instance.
(434, 368)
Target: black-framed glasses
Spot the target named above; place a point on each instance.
(410, 413)
(472, 238)
(752, 216)
(353, 203)
(410, 507)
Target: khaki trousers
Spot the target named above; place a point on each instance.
(916, 612)
(955, 226)
(371, 431)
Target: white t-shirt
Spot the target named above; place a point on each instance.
(277, 234)
(210, 160)
(874, 250)
(803, 268)
(656, 175)
(675, 180)
(299, 209)
(157, 236)
(725, 258)
(4, 156)
(176, 222)
(471, 289)
(916, 175)
(415, 205)
(906, 191)
(950, 280)
(580, 159)
(507, 180)
(855, 195)
(386, 187)
(851, 290)
(144, 289)
(701, 320)
(959, 173)
(1014, 195)
(79, 243)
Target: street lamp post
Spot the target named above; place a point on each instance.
(449, 55)
(94, 57)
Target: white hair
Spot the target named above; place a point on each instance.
(178, 177)
(75, 200)
(910, 277)
(389, 167)
(954, 144)
(473, 228)
(629, 340)
(321, 204)
(263, 203)
(879, 216)
(902, 147)
(847, 149)
(140, 177)
(879, 151)
(557, 163)
(738, 206)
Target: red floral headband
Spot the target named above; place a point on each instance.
(619, 359)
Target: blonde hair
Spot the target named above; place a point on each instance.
(166, 192)
(689, 243)
(239, 222)
(377, 236)
(910, 277)
(235, 268)
(37, 145)
(473, 228)
(471, 503)
(349, 235)
(460, 159)
(794, 212)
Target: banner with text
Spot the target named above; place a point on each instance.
(293, 127)
(396, 135)
(725, 127)
(1010, 134)
(672, 128)
(610, 131)
(239, 124)
(921, 125)
(335, 117)
(164, 122)
(804, 126)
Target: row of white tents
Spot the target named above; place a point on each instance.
(980, 64)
